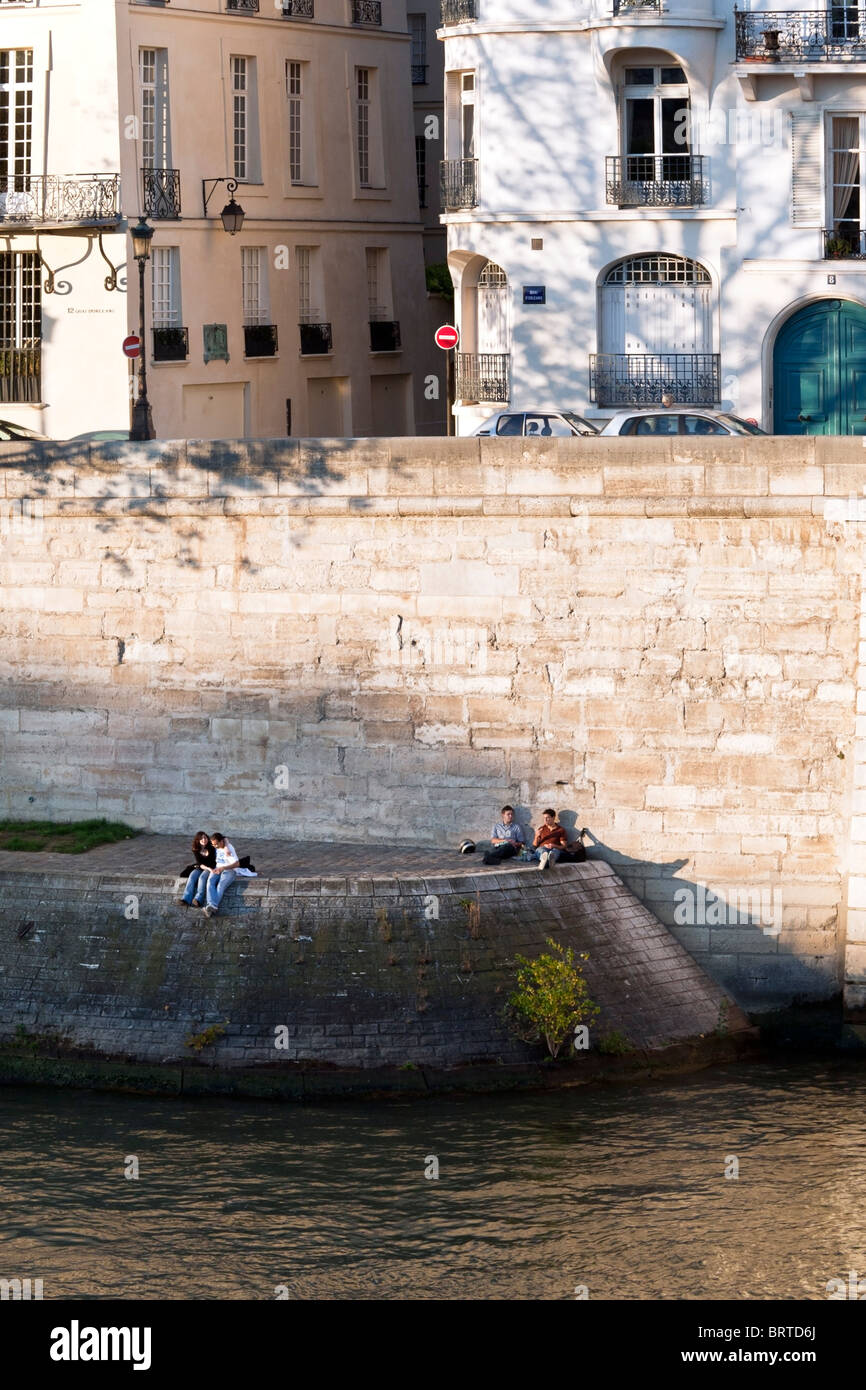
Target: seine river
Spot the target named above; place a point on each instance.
(622, 1190)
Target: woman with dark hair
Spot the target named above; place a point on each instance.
(204, 854)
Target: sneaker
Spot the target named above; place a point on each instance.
(544, 861)
(209, 911)
(182, 902)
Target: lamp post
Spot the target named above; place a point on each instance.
(142, 421)
(232, 214)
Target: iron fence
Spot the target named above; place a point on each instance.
(483, 376)
(34, 198)
(642, 378)
(655, 180)
(836, 33)
(459, 183)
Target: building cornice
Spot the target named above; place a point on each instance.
(583, 26)
(617, 216)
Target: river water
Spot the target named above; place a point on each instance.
(619, 1189)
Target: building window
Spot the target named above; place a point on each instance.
(20, 327)
(467, 115)
(656, 111)
(16, 113)
(315, 331)
(245, 141)
(363, 125)
(170, 341)
(294, 84)
(384, 329)
(254, 285)
(418, 33)
(155, 138)
(421, 168)
(847, 174)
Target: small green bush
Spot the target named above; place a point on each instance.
(551, 998)
(615, 1044)
(439, 279)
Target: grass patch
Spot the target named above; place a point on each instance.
(75, 837)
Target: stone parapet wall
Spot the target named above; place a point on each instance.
(387, 639)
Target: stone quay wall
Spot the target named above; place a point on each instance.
(387, 639)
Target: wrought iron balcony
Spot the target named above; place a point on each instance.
(366, 11)
(459, 11)
(459, 183)
(298, 9)
(483, 376)
(419, 74)
(30, 200)
(170, 344)
(161, 189)
(242, 6)
(844, 243)
(636, 6)
(642, 378)
(315, 339)
(834, 34)
(260, 340)
(384, 335)
(655, 180)
(20, 375)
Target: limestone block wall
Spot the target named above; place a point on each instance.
(387, 639)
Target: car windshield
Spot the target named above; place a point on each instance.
(10, 431)
(578, 423)
(741, 426)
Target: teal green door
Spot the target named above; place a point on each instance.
(819, 370)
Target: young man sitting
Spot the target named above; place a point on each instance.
(507, 838)
(224, 874)
(550, 840)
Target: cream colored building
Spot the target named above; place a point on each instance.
(314, 318)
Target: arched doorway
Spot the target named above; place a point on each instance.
(819, 370)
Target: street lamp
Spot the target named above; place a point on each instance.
(142, 421)
(232, 214)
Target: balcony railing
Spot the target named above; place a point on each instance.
(384, 335)
(242, 6)
(844, 243)
(20, 375)
(837, 34)
(161, 189)
(260, 340)
(459, 11)
(298, 9)
(459, 183)
(642, 378)
(483, 376)
(632, 6)
(170, 344)
(366, 11)
(419, 74)
(31, 199)
(655, 180)
(315, 339)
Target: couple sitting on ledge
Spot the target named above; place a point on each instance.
(550, 845)
(215, 869)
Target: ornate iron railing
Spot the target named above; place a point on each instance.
(242, 6)
(384, 335)
(161, 188)
(34, 198)
(459, 183)
(260, 340)
(20, 375)
(642, 378)
(835, 33)
(366, 11)
(844, 244)
(629, 6)
(459, 11)
(298, 9)
(655, 180)
(483, 376)
(419, 74)
(315, 339)
(170, 344)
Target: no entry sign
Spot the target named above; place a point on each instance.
(447, 337)
(132, 345)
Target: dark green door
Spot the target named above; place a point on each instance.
(819, 370)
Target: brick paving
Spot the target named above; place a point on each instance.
(168, 854)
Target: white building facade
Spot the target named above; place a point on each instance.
(659, 197)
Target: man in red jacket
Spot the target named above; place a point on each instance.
(550, 840)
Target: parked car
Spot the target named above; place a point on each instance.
(685, 421)
(537, 422)
(100, 437)
(8, 430)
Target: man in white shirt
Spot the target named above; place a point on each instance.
(223, 875)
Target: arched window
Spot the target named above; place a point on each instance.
(656, 303)
(494, 302)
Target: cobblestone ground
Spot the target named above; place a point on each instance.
(168, 854)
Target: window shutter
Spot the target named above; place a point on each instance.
(807, 208)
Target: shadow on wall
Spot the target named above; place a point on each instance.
(735, 938)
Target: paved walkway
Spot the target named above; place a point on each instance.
(168, 854)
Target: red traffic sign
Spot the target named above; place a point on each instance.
(132, 345)
(447, 337)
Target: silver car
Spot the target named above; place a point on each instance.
(542, 423)
(693, 422)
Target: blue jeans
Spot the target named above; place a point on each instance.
(197, 880)
(554, 854)
(217, 885)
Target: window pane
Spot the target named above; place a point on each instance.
(658, 424)
(640, 138)
(638, 77)
(675, 125)
(699, 424)
(673, 75)
(510, 424)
